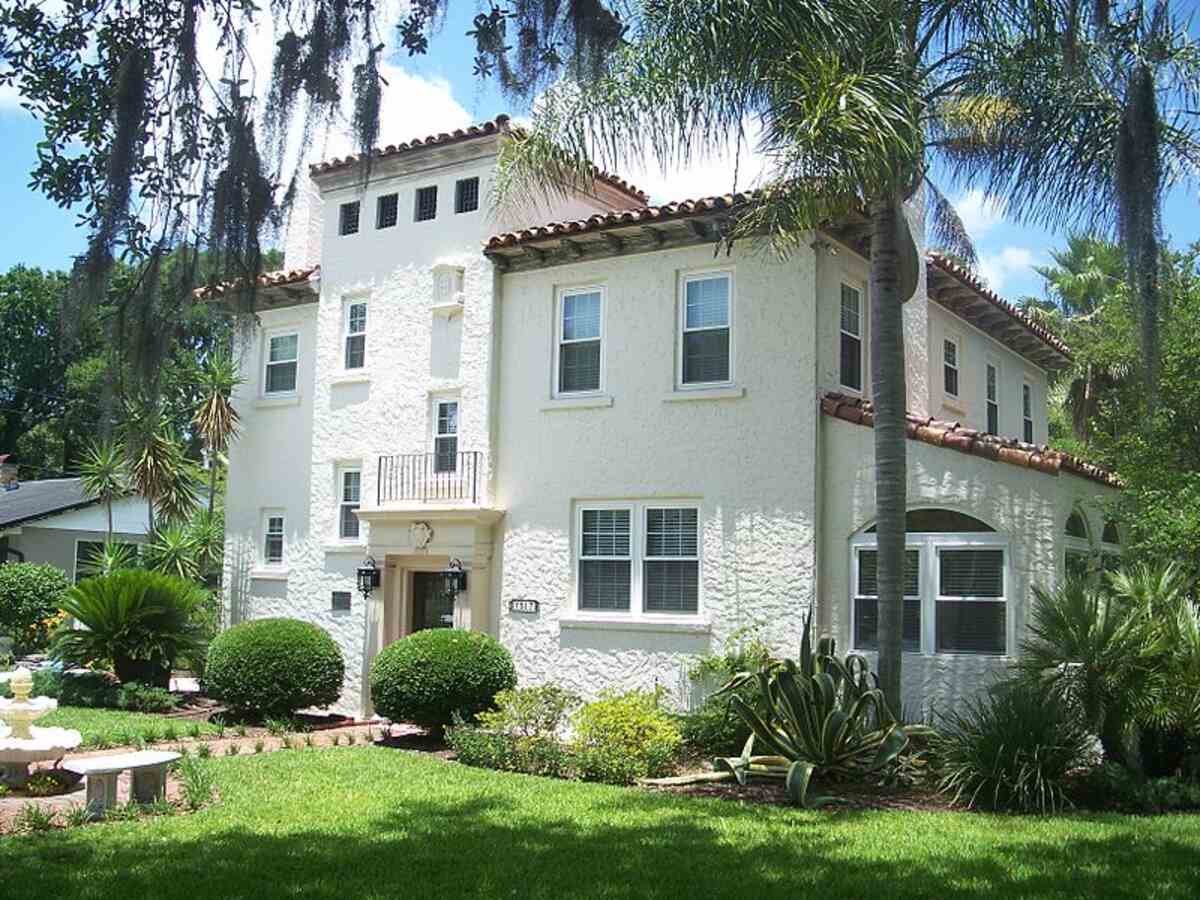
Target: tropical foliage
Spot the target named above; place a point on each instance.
(140, 622)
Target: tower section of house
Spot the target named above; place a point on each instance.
(368, 398)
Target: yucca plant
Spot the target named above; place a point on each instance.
(109, 557)
(820, 715)
(141, 621)
(215, 419)
(173, 551)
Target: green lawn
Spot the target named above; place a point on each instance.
(367, 822)
(118, 726)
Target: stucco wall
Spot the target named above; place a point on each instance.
(1026, 507)
(747, 461)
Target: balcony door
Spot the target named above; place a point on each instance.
(433, 606)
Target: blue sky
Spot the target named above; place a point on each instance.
(438, 92)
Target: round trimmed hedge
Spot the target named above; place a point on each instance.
(273, 667)
(430, 675)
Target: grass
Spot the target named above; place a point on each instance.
(115, 726)
(368, 822)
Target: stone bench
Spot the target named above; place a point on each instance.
(149, 769)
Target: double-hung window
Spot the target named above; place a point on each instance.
(356, 334)
(950, 367)
(283, 353)
(349, 498)
(956, 587)
(273, 539)
(445, 436)
(705, 335)
(1027, 413)
(991, 379)
(851, 372)
(580, 340)
(866, 600)
(639, 558)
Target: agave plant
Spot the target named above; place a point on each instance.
(819, 716)
(141, 621)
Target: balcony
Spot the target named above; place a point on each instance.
(449, 478)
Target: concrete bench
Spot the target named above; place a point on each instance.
(149, 768)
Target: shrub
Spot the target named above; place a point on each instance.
(1111, 785)
(429, 676)
(31, 595)
(274, 667)
(520, 735)
(622, 737)
(715, 728)
(1012, 748)
(141, 621)
(144, 698)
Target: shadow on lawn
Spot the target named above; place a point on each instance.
(492, 846)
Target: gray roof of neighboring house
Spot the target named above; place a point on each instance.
(38, 499)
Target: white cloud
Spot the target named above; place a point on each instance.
(979, 212)
(995, 268)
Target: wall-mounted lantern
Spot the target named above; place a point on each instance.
(456, 578)
(368, 577)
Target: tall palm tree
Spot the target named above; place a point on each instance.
(105, 476)
(1101, 119)
(216, 420)
(849, 98)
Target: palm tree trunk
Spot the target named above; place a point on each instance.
(108, 509)
(212, 479)
(888, 397)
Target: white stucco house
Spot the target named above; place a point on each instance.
(635, 446)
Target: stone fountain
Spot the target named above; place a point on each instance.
(20, 742)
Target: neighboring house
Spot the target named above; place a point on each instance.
(637, 448)
(53, 521)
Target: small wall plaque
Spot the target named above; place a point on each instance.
(521, 605)
(341, 601)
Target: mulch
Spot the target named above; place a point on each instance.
(850, 795)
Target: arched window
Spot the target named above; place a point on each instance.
(955, 586)
(1077, 526)
(1078, 553)
(1110, 547)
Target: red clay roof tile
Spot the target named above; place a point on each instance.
(277, 278)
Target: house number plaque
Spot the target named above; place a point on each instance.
(521, 605)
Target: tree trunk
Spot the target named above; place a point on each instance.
(889, 400)
(108, 509)
(212, 480)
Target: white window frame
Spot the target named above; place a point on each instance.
(1028, 425)
(267, 516)
(861, 337)
(991, 394)
(855, 554)
(434, 435)
(347, 333)
(267, 363)
(686, 278)
(956, 366)
(930, 545)
(560, 296)
(342, 502)
(638, 512)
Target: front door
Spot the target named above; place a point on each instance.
(433, 606)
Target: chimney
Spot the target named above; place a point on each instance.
(8, 473)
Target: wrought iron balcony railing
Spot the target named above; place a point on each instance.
(430, 477)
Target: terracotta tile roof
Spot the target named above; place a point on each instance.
(499, 125)
(643, 215)
(278, 278)
(968, 440)
(972, 281)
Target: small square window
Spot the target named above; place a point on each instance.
(426, 204)
(340, 601)
(348, 218)
(385, 211)
(466, 195)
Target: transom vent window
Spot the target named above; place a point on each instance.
(426, 204)
(706, 329)
(656, 571)
(955, 589)
(385, 210)
(348, 218)
(851, 372)
(466, 195)
(579, 341)
(283, 352)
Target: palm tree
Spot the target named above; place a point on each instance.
(1100, 121)
(851, 99)
(216, 420)
(105, 476)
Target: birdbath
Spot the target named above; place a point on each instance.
(20, 742)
